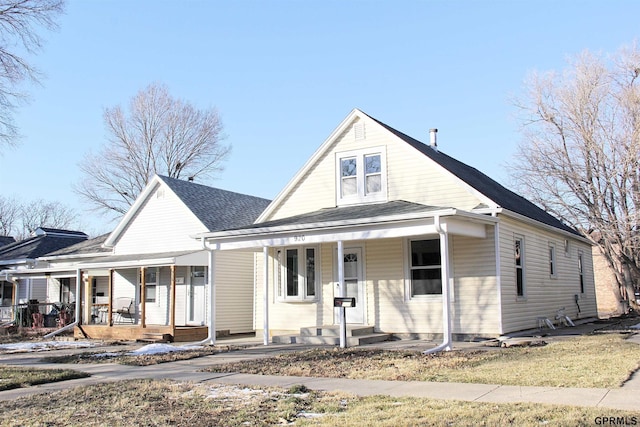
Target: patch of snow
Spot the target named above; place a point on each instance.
(635, 326)
(32, 346)
(310, 415)
(161, 349)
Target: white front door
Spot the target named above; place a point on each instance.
(197, 297)
(354, 282)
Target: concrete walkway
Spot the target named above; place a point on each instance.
(625, 398)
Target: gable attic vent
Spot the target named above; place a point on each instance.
(358, 131)
(433, 138)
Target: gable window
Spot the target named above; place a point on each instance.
(296, 277)
(581, 272)
(425, 267)
(552, 260)
(519, 264)
(361, 176)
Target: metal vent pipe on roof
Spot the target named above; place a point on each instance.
(433, 138)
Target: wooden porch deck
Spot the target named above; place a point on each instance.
(137, 332)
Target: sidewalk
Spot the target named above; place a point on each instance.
(625, 398)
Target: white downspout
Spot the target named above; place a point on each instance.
(446, 297)
(498, 273)
(265, 326)
(78, 307)
(211, 337)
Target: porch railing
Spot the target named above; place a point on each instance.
(38, 315)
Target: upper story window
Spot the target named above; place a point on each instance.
(361, 176)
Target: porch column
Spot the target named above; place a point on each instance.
(343, 293)
(78, 295)
(172, 309)
(87, 301)
(446, 294)
(110, 295)
(265, 325)
(143, 296)
(212, 297)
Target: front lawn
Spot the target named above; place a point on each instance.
(600, 361)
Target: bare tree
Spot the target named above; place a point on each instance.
(19, 219)
(580, 158)
(19, 32)
(9, 216)
(159, 134)
(45, 214)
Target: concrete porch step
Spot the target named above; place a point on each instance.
(155, 337)
(330, 335)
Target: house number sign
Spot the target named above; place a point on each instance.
(298, 238)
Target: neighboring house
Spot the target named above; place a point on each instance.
(24, 256)
(5, 240)
(153, 277)
(427, 245)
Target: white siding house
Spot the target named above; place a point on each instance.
(424, 243)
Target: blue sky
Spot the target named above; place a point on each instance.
(283, 75)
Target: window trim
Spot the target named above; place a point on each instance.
(520, 266)
(408, 269)
(148, 285)
(361, 195)
(581, 272)
(553, 261)
(280, 274)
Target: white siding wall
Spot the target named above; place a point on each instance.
(475, 306)
(544, 294)
(234, 291)
(163, 224)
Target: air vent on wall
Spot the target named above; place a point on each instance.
(358, 130)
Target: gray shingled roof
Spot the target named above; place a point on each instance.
(502, 196)
(397, 207)
(41, 245)
(217, 209)
(90, 246)
(5, 240)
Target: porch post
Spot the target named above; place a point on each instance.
(212, 297)
(143, 296)
(87, 302)
(78, 295)
(172, 309)
(265, 325)
(110, 295)
(446, 296)
(343, 293)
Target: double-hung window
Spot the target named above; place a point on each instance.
(297, 274)
(151, 277)
(361, 176)
(552, 260)
(519, 264)
(425, 267)
(581, 272)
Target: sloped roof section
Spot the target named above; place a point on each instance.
(90, 246)
(5, 240)
(42, 244)
(377, 210)
(502, 196)
(217, 209)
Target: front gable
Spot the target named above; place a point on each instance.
(157, 222)
(362, 162)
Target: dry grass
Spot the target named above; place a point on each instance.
(124, 358)
(601, 361)
(161, 403)
(15, 377)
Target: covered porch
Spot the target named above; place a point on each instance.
(311, 266)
